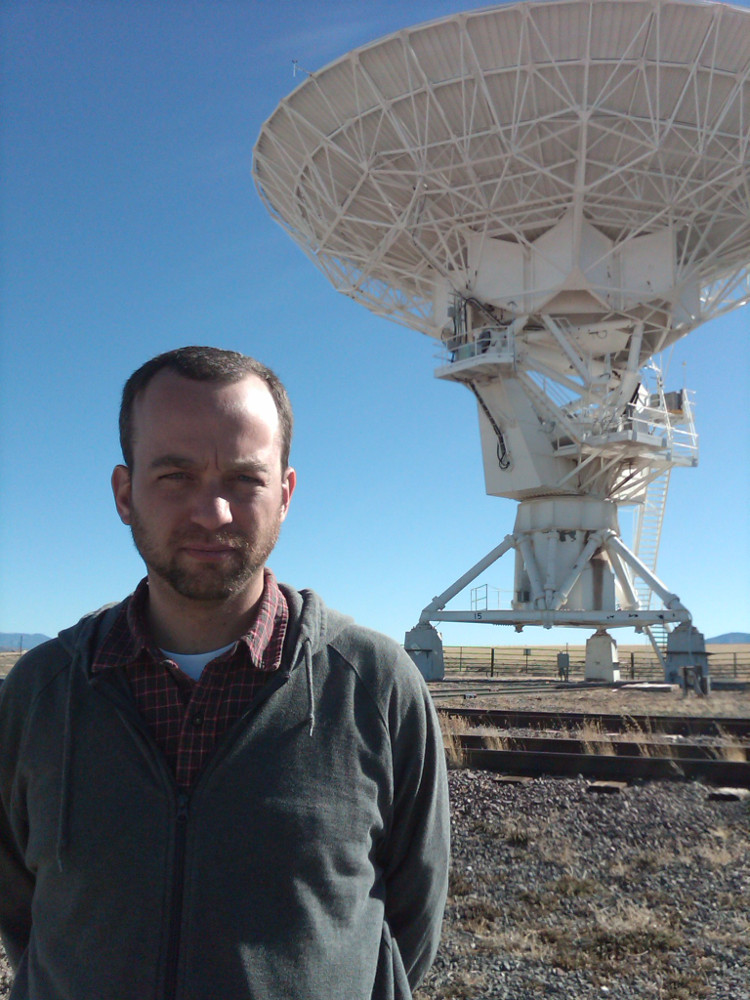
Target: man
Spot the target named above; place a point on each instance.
(220, 788)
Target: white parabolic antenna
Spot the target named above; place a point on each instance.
(555, 191)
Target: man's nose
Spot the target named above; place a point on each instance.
(211, 510)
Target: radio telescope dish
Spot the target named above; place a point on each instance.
(556, 191)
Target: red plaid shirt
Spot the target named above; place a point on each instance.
(188, 717)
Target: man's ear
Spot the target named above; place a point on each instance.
(288, 482)
(121, 487)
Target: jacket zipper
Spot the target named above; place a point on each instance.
(182, 815)
(173, 942)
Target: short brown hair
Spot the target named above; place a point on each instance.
(204, 364)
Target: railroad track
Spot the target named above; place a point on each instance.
(674, 725)
(524, 764)
(569, 753)
(603, 748)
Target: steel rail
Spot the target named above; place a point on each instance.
(676, 725)
(602, 767)
(602, 747)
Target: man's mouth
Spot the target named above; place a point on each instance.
(208, 553)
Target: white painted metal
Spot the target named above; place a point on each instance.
(602, 658)
(441, 600)
(591, 153)
(556, 191)
(647, 537)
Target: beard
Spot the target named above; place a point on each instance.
(205, 581)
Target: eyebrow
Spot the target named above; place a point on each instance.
(183, 462)
(179, 461)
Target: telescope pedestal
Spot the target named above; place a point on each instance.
(602, 661)
(424, 645)
(686, 650)
(561, 558)
(572, 568)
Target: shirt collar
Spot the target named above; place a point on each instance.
(130, 638)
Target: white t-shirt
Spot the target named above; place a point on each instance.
(192, 664)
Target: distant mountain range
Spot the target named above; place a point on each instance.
(14, 641)
(730, 637)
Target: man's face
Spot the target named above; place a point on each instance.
(206, 495)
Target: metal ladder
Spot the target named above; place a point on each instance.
(647, 535)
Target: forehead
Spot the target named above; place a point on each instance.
(174, 408)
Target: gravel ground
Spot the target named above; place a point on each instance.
(559, 891)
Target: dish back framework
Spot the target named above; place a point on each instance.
(555, 191)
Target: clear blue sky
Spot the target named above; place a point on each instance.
(130, 225)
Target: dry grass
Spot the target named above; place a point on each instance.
(603, 939)
(452, 728)
(517, 832)
(560, 853)
(732, 752)
(6, 662)
(657, 859)
(631, 929)
(649, 743)
(594, 740)
(721, 850)
(494, 741)
(458, 884)
(526, 943)
(464, 986)
(730, 749)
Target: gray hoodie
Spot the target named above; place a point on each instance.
(308, 862)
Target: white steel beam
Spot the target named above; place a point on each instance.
(439, 602)
(671, 601)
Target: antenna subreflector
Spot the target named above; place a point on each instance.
(556, 191)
